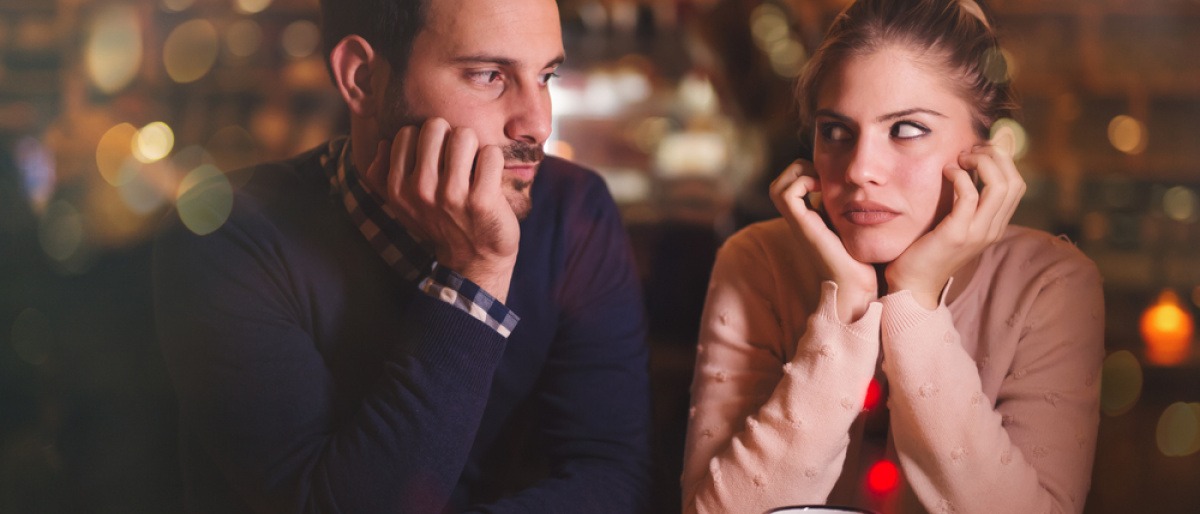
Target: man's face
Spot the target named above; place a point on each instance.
(484, 65)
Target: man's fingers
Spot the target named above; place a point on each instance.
(429, 158)
(460, 151)
(489, 168)
(403, 158)
(375, 177)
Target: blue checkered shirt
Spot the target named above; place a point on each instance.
(403, 252)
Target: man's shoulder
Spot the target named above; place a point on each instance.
(560, 173)
(274, 193)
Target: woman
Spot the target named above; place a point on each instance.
(988, 336)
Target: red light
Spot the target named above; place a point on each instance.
(883, 477)
(874, 391)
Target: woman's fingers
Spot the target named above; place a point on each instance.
(1001, 192)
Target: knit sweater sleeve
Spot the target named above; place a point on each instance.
(260, 397)
(1030, 451)
(769, 425)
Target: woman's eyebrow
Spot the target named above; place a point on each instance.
(830, 113)
(908, 112)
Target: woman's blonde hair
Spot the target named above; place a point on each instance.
(954, 34)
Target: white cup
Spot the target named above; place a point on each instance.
(818, 509)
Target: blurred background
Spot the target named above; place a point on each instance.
(110, 109)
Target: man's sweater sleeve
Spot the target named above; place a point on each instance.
(259, 396)
(1032, 450)
(766, 431)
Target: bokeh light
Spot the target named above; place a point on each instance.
(113, 51)
(205, 199)
(1178, 431)
(1020, 137)
(190, 51)
(1127, 134)
(768, 24)
(153, 142)
(996, 64)
(560, 148)
(1179, 203)
(772, 33)
(141, 193)
(113, 150)
(61, 231)
(1167, 330)
(233, 148)
(243, 38)
(1121, 383)
(251, 6)
(874, 393)
(698, 94)
(177, 5)
(883, 477)
(32, 336)
(300, 38)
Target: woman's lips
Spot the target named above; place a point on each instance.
(868, 213)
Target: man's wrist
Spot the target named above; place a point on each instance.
(471, 297)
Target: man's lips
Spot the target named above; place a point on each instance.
(523, 171)
(868, 213)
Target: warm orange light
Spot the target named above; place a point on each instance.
(883, 477)
(1167, 330)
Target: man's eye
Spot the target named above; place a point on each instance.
(908, 130)
(485, 77)
(546, 78)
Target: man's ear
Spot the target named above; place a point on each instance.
(1004, 138)
(357, 73)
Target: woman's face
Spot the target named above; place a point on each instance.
(886, 124)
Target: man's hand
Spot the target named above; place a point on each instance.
(446, 190)
(823, 249)
(976, 220)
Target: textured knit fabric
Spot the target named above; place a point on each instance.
(312, 378)
(994, 396)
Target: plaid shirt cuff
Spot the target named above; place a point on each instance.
(454, 289)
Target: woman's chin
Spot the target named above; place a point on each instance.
(874, 253)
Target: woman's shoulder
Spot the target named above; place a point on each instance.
(1033, 251)
(771, 236)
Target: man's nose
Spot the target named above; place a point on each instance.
(529, 115)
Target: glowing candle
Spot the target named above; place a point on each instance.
(1167, 330)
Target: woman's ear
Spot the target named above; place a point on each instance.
(1004, 138)
(355, 66)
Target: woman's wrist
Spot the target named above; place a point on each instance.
(852, 303)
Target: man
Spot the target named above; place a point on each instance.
(378, 317)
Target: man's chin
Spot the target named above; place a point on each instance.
(519, 199)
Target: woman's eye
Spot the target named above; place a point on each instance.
(835, 132)
(908, 130)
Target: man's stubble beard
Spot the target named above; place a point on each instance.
(516, 192)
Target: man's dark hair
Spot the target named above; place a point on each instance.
(390, 26)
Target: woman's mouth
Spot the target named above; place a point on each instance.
(868, 213)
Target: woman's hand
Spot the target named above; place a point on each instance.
(856, 282)
(976, 220)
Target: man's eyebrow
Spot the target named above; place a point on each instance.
(889, 116)
(501, 61)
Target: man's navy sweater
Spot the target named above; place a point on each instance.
(311, 378)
